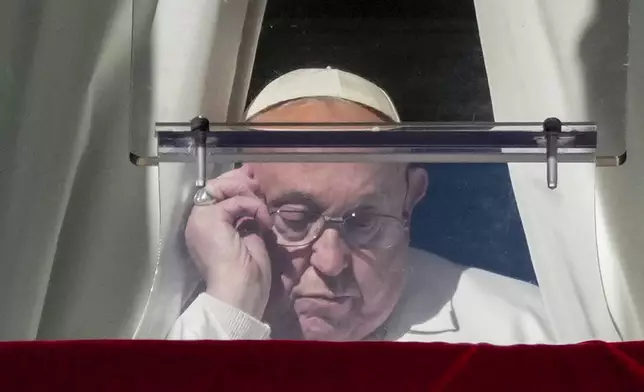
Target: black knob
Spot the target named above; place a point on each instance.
(199, 123)
(552, 124)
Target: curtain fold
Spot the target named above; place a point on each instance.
(620, 193)
(545, 58)
(80, 225)
(48, 136)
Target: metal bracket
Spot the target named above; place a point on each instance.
(201, 126)
(552, 128)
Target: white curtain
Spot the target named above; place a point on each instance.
(79, 224)
(569, 59)
(206, 71)
(620, 196)
(67, 189)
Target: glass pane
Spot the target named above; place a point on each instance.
(349, 251)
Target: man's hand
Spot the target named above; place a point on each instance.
(225, 241)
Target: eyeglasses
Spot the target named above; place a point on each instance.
(363, 230)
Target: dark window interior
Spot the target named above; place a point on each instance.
(427, 55)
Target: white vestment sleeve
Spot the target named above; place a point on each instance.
(208, 318)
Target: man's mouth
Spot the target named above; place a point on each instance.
(323, 296)
(323, 305)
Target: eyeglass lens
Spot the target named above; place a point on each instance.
(361, 229)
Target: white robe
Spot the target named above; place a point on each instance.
(442, 302)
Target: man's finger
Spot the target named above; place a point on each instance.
(233, 209)
(225, 188)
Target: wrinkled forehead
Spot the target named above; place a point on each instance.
(328, 185)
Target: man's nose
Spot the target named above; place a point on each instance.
(331, 254)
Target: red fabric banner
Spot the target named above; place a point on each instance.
(317, 366)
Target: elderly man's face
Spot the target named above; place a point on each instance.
(333, 288)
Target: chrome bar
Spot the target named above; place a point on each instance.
(551, 142)
(375, 127)
(376, 155)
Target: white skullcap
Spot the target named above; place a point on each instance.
(323, 82)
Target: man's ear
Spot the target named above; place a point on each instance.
(417, 182)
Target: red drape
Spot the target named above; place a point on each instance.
(317, 366)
